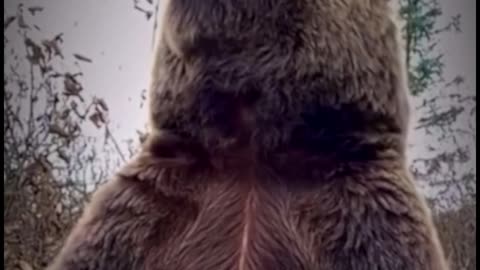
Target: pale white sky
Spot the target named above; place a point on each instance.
(118, 39)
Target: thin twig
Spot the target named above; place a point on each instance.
(117, 147)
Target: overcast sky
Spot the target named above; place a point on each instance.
(118, 39)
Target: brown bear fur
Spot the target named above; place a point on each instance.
(277, 142)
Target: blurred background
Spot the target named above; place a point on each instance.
(75, 80)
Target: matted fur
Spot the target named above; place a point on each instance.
(277, 143)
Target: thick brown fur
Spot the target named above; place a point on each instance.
(277, 142)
